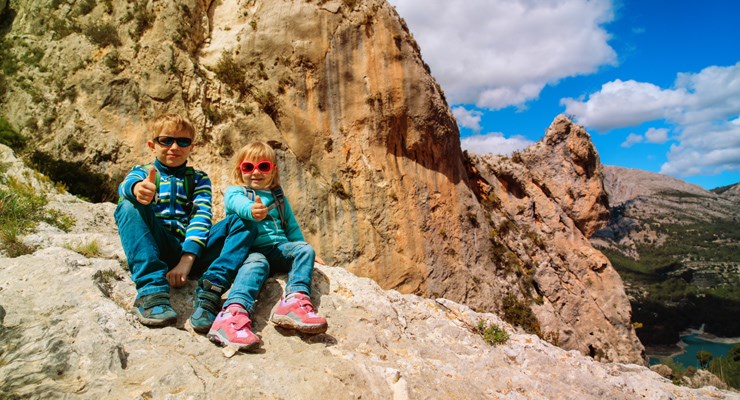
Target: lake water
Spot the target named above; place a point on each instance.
(694, 344)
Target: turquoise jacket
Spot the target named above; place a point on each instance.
(190, 227)
(269, 230)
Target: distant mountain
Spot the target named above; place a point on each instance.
(729, 191)
(677, 247)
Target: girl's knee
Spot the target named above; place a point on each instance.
(305, 249)
(256, 260)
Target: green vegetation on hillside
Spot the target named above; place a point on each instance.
(688, 280)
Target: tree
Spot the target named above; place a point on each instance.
(704, 358)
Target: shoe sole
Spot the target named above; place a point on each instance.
(287, 322)
(200, 328)
(216, 338)
(154, 322)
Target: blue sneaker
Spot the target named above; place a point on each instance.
(155, 310)
(206, 305)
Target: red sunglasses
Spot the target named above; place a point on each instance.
(249, 167)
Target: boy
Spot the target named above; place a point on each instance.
(164, 222)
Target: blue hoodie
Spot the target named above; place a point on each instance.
(269, 230)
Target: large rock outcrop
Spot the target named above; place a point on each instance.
(579, 297)
(66, 332)
(368, 148)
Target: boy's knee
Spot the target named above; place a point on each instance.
(127, 208)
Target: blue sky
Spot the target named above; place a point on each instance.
(655, 82)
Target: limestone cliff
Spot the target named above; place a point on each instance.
(544, 201)
(369, 151)
(66, 332)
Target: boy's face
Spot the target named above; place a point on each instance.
(173, 155)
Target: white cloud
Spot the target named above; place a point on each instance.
(703, 107)
(497, 54)
(467, 118)
(656, 135)
(624, 103)
(495, 143)
(632, 139)
(652, 135)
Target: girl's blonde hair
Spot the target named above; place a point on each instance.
(255, 152)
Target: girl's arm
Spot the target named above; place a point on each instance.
(237, 202)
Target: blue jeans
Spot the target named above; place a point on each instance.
(295, 258)
(152, 250)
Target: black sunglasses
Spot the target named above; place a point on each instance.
(168, 141)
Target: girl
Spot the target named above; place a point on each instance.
(256, 197)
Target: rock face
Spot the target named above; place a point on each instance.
(579, 297)
(68, 333)
(368, 149)
(565, 165)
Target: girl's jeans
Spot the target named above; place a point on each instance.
(152, 250)
(295, 258)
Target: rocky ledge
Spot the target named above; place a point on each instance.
(67, 332)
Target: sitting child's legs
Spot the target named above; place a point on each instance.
(295, 309)
(233, 325)
(227, 247)
(144, 239)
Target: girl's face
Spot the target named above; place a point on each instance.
(257, 174)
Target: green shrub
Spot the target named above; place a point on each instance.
(519, 314)
(89, 250)
(103, 34)
(232, 74)
(113, 61)
(727, 367)
(143, 20)
(10, 137)
(492, 333)
(85, 7)
(269, 104)
(21, 209)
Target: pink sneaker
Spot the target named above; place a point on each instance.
(297, 312)
(232, 327)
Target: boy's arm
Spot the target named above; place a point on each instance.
(126, 188)
(196, 233)
(292, 230)
(179, 275)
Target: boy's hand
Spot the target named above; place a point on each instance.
(259, 210)
(178, 276)
(145, 190)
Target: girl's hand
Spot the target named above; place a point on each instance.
(259, 210)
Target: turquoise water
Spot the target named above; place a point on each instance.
(695, 344)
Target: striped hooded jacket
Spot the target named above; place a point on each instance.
(170, 203)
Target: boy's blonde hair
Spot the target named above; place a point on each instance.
(255, 152)
(169, 123)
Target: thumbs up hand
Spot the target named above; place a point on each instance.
(146, 189)
(259, 210)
